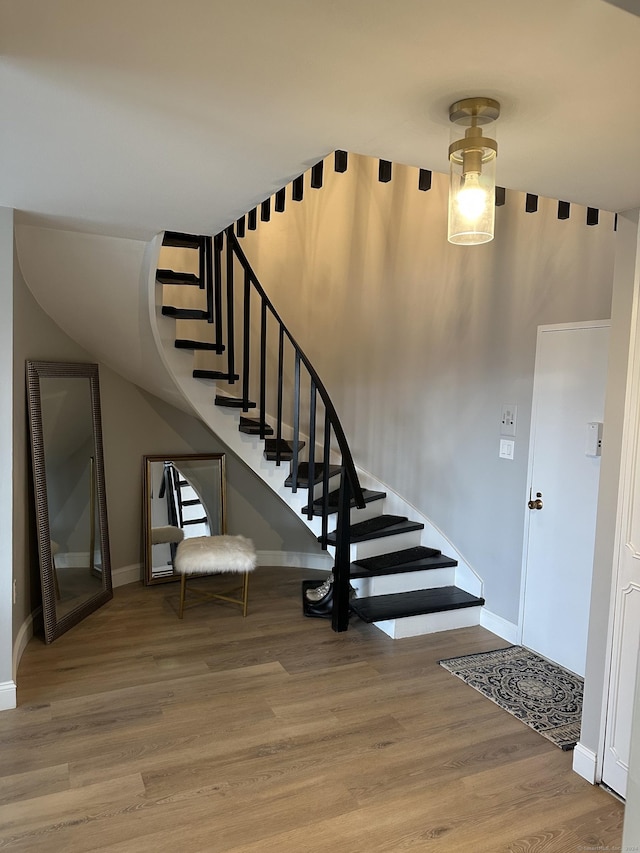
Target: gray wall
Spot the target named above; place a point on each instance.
(134, 423)
(420, 342)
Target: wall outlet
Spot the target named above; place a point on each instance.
(508, 419)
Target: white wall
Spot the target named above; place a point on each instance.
(7, 686)
(420, 342)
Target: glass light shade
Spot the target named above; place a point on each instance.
(472, 188)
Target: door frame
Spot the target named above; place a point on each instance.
(554, 327)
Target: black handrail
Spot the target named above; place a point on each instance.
(350, 493)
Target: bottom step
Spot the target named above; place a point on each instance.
(414, 603)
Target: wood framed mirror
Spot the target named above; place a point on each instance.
(63, 400)
(184, 496)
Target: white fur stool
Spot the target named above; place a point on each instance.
(209, 555)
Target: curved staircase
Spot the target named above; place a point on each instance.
(403, 586)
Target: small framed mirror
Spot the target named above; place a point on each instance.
(63, 400)
(184, 496)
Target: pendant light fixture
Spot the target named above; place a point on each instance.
(472, 183)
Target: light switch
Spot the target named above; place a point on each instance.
(506, 448)
(508, 419)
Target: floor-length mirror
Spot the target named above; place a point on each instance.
(184, 496)
(70, 502)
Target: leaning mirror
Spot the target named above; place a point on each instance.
(184, 496)
(63, 401)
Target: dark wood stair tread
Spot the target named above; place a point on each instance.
(185, 343)
(368, 495)
(184, 313)
(378, 608)
(173, 277)
(374, 528)
(181, 241)
(251, 426)
(234, 402)
(213, 374)
(408, 560)
(303, 474)
(286, 449)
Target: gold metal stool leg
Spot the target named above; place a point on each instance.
(245, 593)
(183, 590)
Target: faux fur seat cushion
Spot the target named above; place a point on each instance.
(203, 555)
(168, 533)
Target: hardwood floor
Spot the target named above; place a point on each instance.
(136, 731)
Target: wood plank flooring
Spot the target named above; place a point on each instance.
(139, 732)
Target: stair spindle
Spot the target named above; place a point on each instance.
(279, 403)
(218, 244)
(230, 320)
(312, 448)
(245, 342)
(263, 367)
(296, 423)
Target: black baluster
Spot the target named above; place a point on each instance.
(230, 311)
(593, 215)
(280, 200)
(240, 226)
(325, 478)
(265, 210)
(501, 196)
(202, 262)
(531, 203)
(208, 249)
(217, 274)
(279, 404)
(564, 210)
(296, 422)
(340, 614)
(245, 348)
(312, 447)
(263, 368)
(252, 219)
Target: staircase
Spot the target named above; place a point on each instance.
(250, 363)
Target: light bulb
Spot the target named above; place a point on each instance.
(471, 199)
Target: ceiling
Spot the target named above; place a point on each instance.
(132, 116)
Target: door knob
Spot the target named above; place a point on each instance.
(537, 503)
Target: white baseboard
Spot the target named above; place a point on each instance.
(497, 625)
(126, 574)
(295, 559)
(584, 763)
(7, 695)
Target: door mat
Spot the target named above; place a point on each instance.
(542, 694)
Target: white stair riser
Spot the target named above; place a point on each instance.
(385, 545)
(430, 623)
(404, 582)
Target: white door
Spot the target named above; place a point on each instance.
(625, 645)
(568, 396)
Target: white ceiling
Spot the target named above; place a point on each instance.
(131, 116)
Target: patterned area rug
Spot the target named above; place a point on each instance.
(541, 694)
